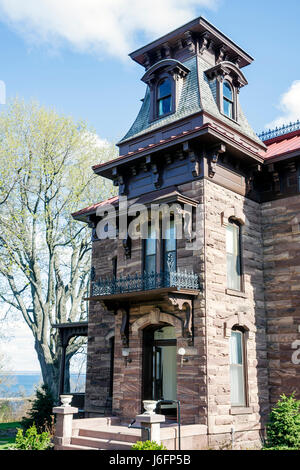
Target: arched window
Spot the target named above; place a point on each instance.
(228, 100)
(237, 368)
(233, 253)
(164, 97)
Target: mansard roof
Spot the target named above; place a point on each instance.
(198, 94)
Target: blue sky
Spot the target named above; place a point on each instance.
(72, 55)
(85, 77)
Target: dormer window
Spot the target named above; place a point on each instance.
(164, 79)
(228, 101)
(228, 80)
(164, 97)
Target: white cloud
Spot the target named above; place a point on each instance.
(99, 26)
(289, 106)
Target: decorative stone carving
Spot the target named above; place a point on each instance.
(124, 330)
(185, 305)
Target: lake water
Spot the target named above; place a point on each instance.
(24, 384)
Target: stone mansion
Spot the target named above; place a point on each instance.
(215, 324)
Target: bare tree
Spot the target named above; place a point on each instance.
(45, 175)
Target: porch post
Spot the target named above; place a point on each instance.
(64, 424)
(64, 344)
(152, 422)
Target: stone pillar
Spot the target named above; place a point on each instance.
(151, 421)
(63, 426)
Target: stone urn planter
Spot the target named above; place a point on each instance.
(149, 406)
(66, 400)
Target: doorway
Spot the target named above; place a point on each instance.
(159, 367)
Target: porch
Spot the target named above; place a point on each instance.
(112, 433)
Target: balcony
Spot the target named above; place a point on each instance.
(148, 286)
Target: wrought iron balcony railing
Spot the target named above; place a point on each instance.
(145, 282)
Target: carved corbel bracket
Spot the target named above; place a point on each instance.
(275, 178)
(185, 305)
(189, 41)
(193, 158)
(292, 167)
(124, 330)
(221, 54)
(156, 175)
(204, 43)
(213, 157)
(147, 163)
(147, 62)
(250, 177)
(167, 50)
(127, 246)
(118, 180)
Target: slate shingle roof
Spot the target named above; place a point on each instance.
(198, 94)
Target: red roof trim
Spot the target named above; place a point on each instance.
(172, 138)
(94, 207)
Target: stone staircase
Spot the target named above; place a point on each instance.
(110, 433)
(101, 434)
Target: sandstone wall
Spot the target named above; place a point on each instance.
(281, 240)
(224, 309)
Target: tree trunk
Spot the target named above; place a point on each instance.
(50, 371)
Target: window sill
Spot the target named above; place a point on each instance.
(231, 119)
(236, 293)
(157, 118)
(241, 410)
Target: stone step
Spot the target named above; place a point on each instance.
(115, 433)
(105, 444)
(75, 447)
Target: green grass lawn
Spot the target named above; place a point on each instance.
(16, 424)
(6, 442)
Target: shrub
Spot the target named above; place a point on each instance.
(283, 428)
(32, 440)
(280, 448)
(148, 445)
(40, 413)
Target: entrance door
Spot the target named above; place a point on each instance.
(159, 367)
